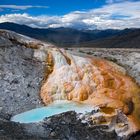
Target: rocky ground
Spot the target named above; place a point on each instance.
(65, 126)
(20, 78)
(21, 74)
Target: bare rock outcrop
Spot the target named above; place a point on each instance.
(31, 69)
(20, 74)
(70, 125)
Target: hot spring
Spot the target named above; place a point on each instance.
(38, 114)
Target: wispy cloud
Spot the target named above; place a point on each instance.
(116, 16)
(21, 7)
(114, 1)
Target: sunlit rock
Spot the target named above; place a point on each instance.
(90, 80)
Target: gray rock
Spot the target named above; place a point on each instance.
(20, 78)
(72, 129)
(65, 126)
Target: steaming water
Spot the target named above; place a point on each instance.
(38, 114)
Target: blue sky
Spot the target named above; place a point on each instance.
(55, 7)
(80, 14)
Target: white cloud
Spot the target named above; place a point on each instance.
(116, 16)
(21, 7)
(113, 1)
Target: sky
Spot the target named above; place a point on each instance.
(79, 14)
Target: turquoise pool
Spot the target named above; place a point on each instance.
(38, 114)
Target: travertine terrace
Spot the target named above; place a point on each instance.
(90, 80)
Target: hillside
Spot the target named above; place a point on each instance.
(67, 37)
(126, 40)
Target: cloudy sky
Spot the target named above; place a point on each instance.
(79, 14)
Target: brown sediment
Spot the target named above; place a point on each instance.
(66, 57)
(49, 66)
(33, 45)
(94, 81)
(124, 91)
(48, 70)
(107, 110)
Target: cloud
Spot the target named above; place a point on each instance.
(116, 16)
(21, 7)
(114, 1)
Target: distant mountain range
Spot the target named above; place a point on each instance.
(67, 37)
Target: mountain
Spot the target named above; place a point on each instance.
(68, 37)
(126, 39)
